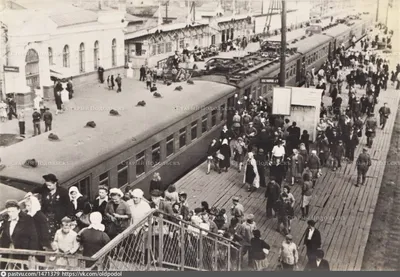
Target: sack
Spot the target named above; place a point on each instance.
(220, 156)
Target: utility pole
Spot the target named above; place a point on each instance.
(282, 75)
(377, 12)
(390, 3)
(262, 7)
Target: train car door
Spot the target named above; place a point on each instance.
(330, 50)
(230, 106)
(298, 71)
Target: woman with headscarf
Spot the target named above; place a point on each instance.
(225, 151)
(118, 212)
(296, 166)
(251, 176)
(78, 204)
(212, 155)
(225, 134)
(138, 206)
(93, 238)
(156, 183)
(238, 150)
(33, 209)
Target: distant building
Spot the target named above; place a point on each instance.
(45, 38)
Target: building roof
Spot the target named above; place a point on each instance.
(142, 11)
(173, 12)
(80, 148)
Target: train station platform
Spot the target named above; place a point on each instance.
(343, 212)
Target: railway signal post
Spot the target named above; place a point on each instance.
(282, 75)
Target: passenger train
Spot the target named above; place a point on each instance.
(169, 135)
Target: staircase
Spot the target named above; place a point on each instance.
(154, 244)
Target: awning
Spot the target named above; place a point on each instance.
(61, 73)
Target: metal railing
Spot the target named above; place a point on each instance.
(159, 242)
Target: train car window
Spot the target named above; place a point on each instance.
(155, 154)
(84, 186)
(170, 145)
(182, 137)
(222, 111)
(140, 164)
(204, 124)
(287, 74)
(193, 130)
(264, 90)
(259, 91)
(213, 118)
(104, 179)
(122, 170)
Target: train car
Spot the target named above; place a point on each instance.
(169, 136)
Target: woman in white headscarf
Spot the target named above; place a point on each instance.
(33, 209)
(78, 205)
(138, 205)
(225, 151)
(93, 238)
(251, 176)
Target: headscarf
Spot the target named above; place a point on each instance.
(116, 191)
(95, 222)
(74, 201)
(225, 141)
(137, 193)
(35, 205)
(251, 155)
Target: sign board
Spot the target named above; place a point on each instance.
(269, 80)
(282, 99)
(14, 69)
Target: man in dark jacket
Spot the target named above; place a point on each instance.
(319, 264)
(384, 113)
(118, 80)
(363, 164)
(142, 73)
(338, 154)
(351, 145)
(36, 122)
(55, 201)
(272, 194)
(312, 240)
(370, 129)
(48, 119)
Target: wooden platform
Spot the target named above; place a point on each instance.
(343, 212)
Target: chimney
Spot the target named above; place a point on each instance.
(122, 6)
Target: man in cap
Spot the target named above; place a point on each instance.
(272, 194)
(384, 113)
(370, 129)
(319, 264)
(363, 163)
(139, 207)
(36, 117)
(245, 232)
(237, 210)
(312, 240)
(314, 165)
(54, 200)
(288, 254)
(338, 154)
(48, 119)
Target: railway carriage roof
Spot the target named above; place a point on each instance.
(337, 30)
(309, 43)
(80, 148)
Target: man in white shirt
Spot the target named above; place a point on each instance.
(278, 152)
(288, 254)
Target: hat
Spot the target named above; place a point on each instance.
(30, 163)
(12, 204)
(250, 217)
(66, 219)
(320, 253)
(91, 124)
(157, 95)
(235, 199)
(179, 88)
(137, 193)
(182, 193)
(289, 236)
(190, 82)
(50, 178)
(311, 222)
(103, 188)
(114, 113)
(53, 137)
(169, 83)
(156, 193)
(116, 191)
(261, 150)
(141, 103)
(340, 141)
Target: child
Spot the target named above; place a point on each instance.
(65, 242)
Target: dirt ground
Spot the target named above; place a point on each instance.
(383, 248)
(8, 139)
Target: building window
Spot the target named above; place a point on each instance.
(222, 111)
(193, 130)
(160, 48)
(181, 44)
(82, 57)
(213, 118)
(204, 124)
(168, 47)
(154, 50)
(122, 169)
(50, 56)
(103, 179)
(213, 39)
(155, 154)
(182, 137)
(83, 186)
(170, 145)
(66, 56)
(140, 164)
(114, 52)
(96, 54)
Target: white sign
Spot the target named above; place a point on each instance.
(306, 96)
(282, 98)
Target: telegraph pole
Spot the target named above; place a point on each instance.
(390, 3)
(282, 75)
(377, 12)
